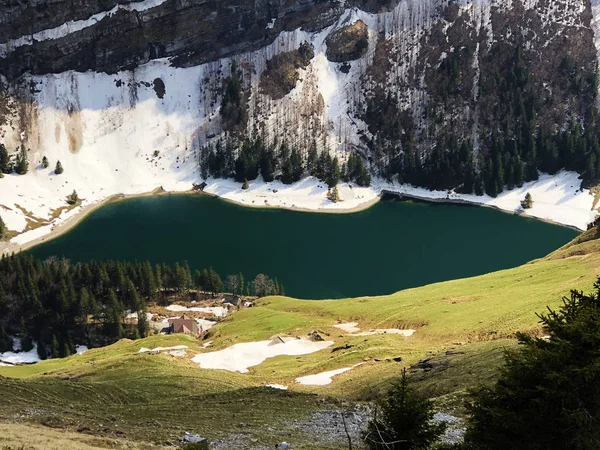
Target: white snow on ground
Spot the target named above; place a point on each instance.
(218, 311)
(239, 357)
(277, 386)
(352, 329)
(162, 349)
(323, 378)
(29, 357)
(205, 324)
(557, 198)
(75, 25)
(81, 349)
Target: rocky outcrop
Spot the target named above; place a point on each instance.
(112, 36)
(281, 74)
(348, 43)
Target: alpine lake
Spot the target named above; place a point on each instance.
(391, 246)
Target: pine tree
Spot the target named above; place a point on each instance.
(267, 165)
(73, 198)
(402, 421)
(4, 160)
(55, 347)
(527, 202)
(59, 168)
(45, 162)
(518, 172)
(142, 324)
(5, 340)
(113, 314)
(22, 163)
(333, 176)
(3, 229)
(148, 288)
(214, 281)
(41, 350)
(548, 393)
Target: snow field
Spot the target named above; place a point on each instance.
(240, 357)
(323, 378)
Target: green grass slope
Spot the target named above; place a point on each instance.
(462, 326)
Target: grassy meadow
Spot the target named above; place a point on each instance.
(462, 327)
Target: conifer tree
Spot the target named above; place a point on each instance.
(5, 340)
(148, 281)
(3, 229)
(142, 324)
(113, 314)
(402, 421)
(59, 168)
(214, 281)
(4, 159)
(73, 198)
(22, 163)
(548, 393)
(45, 162)
(527, 202)
(55, 347)
(41, 350)
(334, 175)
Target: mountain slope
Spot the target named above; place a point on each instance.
(444, 95)
(461, 326)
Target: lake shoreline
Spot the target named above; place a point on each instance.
(7, 247)
(458, 201)
(69, 223)
(327, 249)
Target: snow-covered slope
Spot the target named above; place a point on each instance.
(118, 134)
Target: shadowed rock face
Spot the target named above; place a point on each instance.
(191, 31)
(348, 43)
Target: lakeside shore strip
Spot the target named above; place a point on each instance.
(557, 200)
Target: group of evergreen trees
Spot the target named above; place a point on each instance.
(20, 164)
(278, 162)
(55, 302)
(515, 141)
(233, 103)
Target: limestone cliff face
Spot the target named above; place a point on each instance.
(110, 35)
